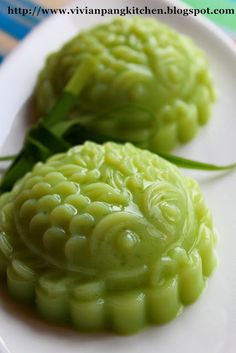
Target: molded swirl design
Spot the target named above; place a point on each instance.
(106, 229)
(152, 86)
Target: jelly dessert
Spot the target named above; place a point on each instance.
(152, 86)
(106, 237)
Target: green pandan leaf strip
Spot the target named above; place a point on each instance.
(40, 144)
(77, 134)
(61, 128)
(48, 138)
(192, 164)
(70, 94)
(7, 158)
(20, 166)
(34, 151)
(42, 137)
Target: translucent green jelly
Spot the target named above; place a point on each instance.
(152, 86)
(106, 237)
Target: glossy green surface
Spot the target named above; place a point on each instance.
(152, 86)
(106, 237)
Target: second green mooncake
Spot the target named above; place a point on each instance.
(152, 85)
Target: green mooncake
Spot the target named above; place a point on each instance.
(152, 85)
(106, 237)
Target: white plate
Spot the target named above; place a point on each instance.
(209, 325)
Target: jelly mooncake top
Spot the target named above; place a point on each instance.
(152, 86)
